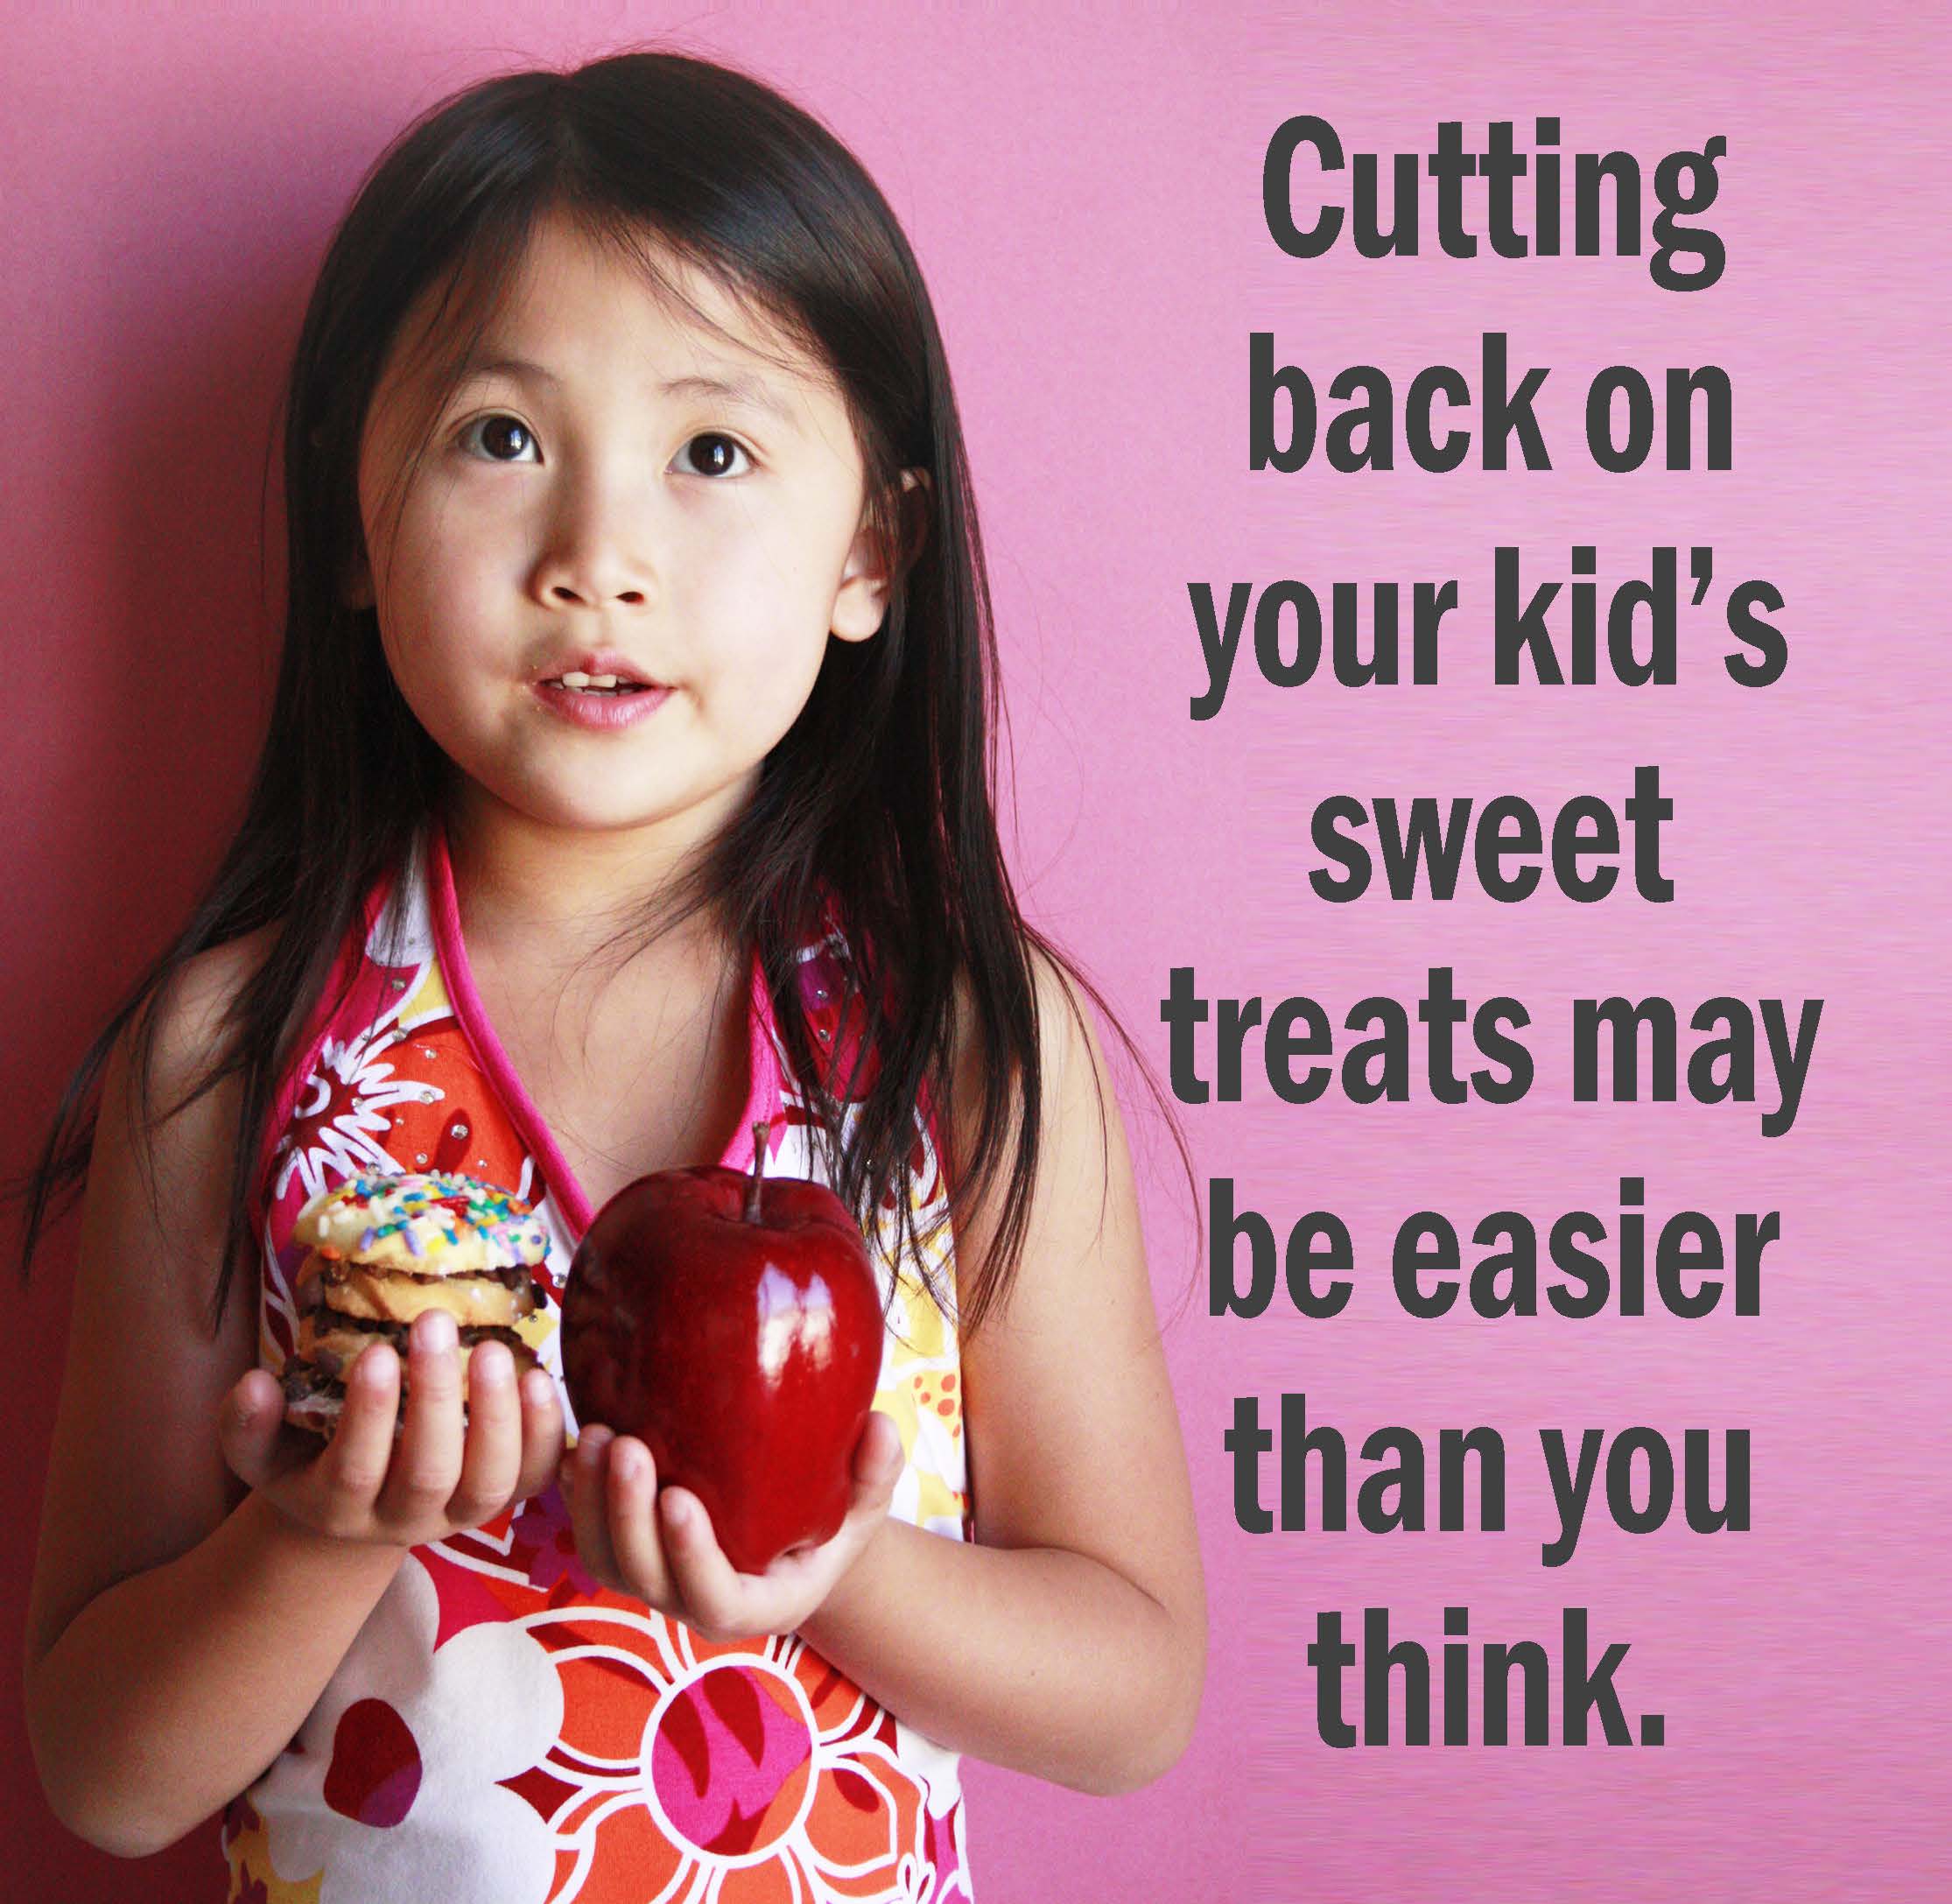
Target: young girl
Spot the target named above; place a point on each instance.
(627, 787)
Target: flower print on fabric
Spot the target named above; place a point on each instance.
(421, 1733)
(398, 1099)
(546, 1544)
(743, 1772)
(341, 1125)
(823, 992)
(244, 1844)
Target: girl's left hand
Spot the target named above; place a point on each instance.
(660, 1546)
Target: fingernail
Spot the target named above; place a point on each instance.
(438, 1333)
(628, 1463)
(677, 1510)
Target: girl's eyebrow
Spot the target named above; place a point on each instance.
(738, 390)
(747, 390)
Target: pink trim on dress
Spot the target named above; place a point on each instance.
(763, 1098)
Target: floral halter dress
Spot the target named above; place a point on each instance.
(504, 1731)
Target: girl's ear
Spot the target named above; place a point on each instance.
(861, 604)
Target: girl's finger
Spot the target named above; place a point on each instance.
(355, 1462)
(427, 1464)
(879, 1458)
(701, 1576)
(634, 1533)
(589, 1509)
(491, 1454)
(542, 1433)
(248, 1426)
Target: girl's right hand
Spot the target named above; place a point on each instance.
(438, 1479)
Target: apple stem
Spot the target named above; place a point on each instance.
(758, 1170)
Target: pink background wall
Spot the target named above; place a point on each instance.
(1083, 193)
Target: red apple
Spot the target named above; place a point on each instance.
(733, 1324)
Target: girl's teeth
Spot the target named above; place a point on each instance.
(579, 681)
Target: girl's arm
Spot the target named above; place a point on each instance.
(181, 1627)
(1070, 1641)
(175, 1637)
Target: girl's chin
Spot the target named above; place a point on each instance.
(664, 814)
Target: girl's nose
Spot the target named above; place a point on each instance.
(598, 550)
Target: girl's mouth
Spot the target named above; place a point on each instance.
(597, 684)
(599, 702)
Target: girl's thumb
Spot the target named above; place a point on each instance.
(879, 1457)
(248, 1422)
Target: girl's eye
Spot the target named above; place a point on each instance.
(502, 438)
(712, 454)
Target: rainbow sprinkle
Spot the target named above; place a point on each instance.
(418, 1202)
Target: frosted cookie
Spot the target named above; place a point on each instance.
(436, 1224)
(384, 1248)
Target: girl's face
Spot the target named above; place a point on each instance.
(614, 481)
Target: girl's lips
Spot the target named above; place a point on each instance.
(597, 711)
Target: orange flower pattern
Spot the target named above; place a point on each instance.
(502, 1729)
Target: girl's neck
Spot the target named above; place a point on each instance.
(550, 896)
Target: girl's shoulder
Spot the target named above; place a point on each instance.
(1069, 1055)
(193, 1009)
(222, 971)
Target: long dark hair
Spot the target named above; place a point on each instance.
(879, 794)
